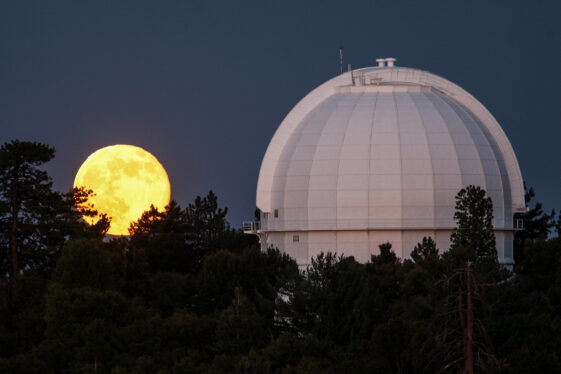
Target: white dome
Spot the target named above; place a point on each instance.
(382, 152)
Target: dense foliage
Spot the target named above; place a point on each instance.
(185, 293)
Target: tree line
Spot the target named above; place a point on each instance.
(186, 293)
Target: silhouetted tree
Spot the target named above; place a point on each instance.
(84, 308)
(165, 239)
(25, 193)
(178, 240)
(474, 218)
(239, 326)
(76, 207)
(530, 305)
(36, 221)
(458, 341)
(260, 276)
(63, 220)
(425, 250)
(206, 222)
(536, 224)
(186, 293)
(385, 274)
(392, 343)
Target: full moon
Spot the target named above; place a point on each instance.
(126, 180)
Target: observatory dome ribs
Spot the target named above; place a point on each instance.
(376, 155)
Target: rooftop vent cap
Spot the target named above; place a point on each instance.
(390, 61)
(381, 62)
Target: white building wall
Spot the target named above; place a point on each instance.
(320, 240)
(363, 244)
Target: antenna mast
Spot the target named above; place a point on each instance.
(341, 59)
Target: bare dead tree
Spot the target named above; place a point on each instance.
(458, 341)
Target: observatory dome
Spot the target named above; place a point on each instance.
(378, 155)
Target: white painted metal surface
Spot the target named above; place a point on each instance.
(378, 154)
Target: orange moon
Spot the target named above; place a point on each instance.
(126, 180)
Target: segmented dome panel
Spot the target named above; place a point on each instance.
(385, 149)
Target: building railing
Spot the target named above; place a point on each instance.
(251, 226)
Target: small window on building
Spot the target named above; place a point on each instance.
(296, 238)
(276, 213)
(265, 215)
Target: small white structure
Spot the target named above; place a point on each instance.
(378, 155)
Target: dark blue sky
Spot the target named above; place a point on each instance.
(203, 85)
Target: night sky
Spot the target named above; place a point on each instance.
(203, 85)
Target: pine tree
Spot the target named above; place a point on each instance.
(425, 250)
(207, 222)
(25, 195)
(474, 217)
(240, 327)
(35, 221)
(164, 236)
(178, 240)
(537, 224)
